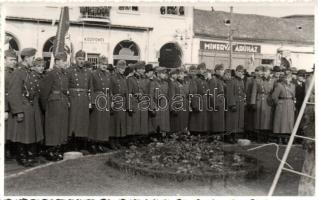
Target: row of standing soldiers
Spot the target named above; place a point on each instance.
(76, 108)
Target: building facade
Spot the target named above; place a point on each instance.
(168, 35)
(131, 33)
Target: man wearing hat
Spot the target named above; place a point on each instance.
(249, 114)
(119, 90)
(198, 99)
(55, 103)
(101, 126)
(216, 102)
(10, 62)
(299, 89)
(79, 82)
(262, 104)
(26, 126)
(235, 104)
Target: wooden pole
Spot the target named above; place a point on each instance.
(230, 37)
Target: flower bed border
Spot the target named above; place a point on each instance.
(239, 175)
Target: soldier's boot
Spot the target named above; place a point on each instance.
(8, 151)
(22, 158)
(92, 147)
(32, 153)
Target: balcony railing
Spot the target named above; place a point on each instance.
(95, 14)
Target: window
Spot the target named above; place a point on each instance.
(93, 59)
(172, 10)
(128, 8)
(267, 61)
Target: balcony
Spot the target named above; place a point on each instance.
(95, 14)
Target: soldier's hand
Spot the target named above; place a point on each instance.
(69, 105)
(20, 117)
(90, 106)
(233, 108)
(6, 116)
(253, 107)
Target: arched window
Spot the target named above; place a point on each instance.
(170, 55)
(12, 42)
(126, 50)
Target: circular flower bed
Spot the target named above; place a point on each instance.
(185, 157)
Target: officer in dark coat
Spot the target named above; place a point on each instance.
(119, 90)
(179, 95)
(23, 97)
(300, 89)
(217, 101)
(55, 103)
(150, 100)
(10, 62)
(236, 103)
(79, 81)
(198, 92)
(101, 124)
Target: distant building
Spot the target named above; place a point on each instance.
(256, 39)
(153, 34)
(167, 35)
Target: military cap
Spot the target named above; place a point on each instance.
(293, 70)
(121, 63)
(131, 65)
(240, 68)
(38, 61)
(276, 69)
(192, 67)
(174, 71)
(201, 66)
(10, 53)
(259, 68)
(266, 68)
(301, 72)
(103, 60)
(61, 56)
(218, 67)
(80, 53)
(28, 52)
(227, 71)
(148, 68)
(140, 65)
(160, 69)
(128, 70)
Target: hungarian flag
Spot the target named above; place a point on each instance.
(62, 42)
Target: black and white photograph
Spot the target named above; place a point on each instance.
(133, 99)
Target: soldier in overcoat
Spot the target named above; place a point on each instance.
(137, 121)
(25, 128)
(10, 62)
(179, 106)
(262, 103)
(80, 87)
(101, 124)
(198, 99)
(161, 98)
(284, 100)
(249, 114)
(217, 101)
(55, 103)
(236, 103)
(149, 98)
(119, 91)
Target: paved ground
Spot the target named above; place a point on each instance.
(91, 176)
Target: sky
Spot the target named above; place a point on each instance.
(269, 10)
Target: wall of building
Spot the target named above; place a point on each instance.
(164, 29)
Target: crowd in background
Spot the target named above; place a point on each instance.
(51, 111)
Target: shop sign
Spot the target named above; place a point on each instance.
(239, 48)
(94, 40)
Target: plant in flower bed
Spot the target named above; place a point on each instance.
(185, 154)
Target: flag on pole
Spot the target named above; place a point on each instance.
(61, 34)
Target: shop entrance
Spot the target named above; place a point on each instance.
(170, 55)
(126, 50)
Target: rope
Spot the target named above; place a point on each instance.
(277, 150)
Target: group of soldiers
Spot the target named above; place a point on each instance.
(73, 107)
